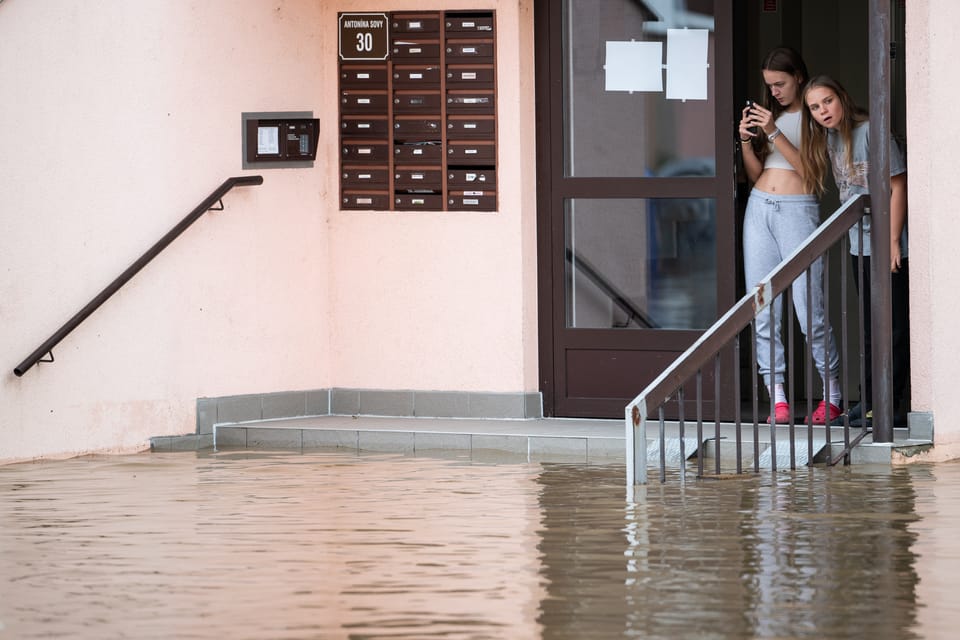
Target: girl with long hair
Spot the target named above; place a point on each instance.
(837, 135)
(781, 213)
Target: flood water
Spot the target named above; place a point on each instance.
(233, 545)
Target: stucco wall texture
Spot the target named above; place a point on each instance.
(119, 118)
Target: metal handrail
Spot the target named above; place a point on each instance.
(618, 297)
(724, 330)
(71, 324)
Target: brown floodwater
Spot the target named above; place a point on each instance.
(276, 545)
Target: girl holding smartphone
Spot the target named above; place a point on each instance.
(781, 213)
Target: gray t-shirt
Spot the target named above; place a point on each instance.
(852, 181)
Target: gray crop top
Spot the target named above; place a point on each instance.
(789, 125)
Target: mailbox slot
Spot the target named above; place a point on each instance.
(483, 127)
(477, 200)
(417, 152)
(377, 201)
(415, 49)
(416, 127)
(363, 102)
(416, 75)
(363, 75)
(364, 152)
(469, 23)
(418, 179)
(364, 126)
(358, 177)
(407, 24)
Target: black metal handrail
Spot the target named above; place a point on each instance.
(727, 328)
(619, 298)
(71, 324)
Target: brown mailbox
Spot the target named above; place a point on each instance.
(364, 126)
(416, 127)
(363, 75)
(416, 75)
(418, 201)
(407, 24)
(376, 200)
(474, 75)
(469, 23)
(471, 152)
(363, 152)
(473, 179)
(483, 127)
(476, 200)
(416, 49)
(470, 101)
(417, 152)
(358, 177)
(418, 179)
(416, 102)
(364, 102)
(471, 49)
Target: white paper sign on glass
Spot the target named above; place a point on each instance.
(634, 66)
(687, 64)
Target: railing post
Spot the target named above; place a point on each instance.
(879, 180)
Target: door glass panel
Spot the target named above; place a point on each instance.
(624, 114)
(640, 263)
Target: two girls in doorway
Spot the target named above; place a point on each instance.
(837, 134)
(781, 213)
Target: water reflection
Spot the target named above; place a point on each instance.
(333, 545)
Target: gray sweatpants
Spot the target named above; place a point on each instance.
(773, 226)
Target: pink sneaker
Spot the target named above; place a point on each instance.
(781, 411)
(820, 415)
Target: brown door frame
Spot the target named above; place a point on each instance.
(553, 189)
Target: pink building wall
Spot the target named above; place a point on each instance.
(119, 118)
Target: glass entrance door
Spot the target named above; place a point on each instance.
(636, 193)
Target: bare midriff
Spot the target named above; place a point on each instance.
(783, 181)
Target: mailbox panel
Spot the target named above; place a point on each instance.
(418, 124)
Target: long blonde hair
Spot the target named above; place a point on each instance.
(813, 137)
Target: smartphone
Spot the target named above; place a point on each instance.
(750, 104)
